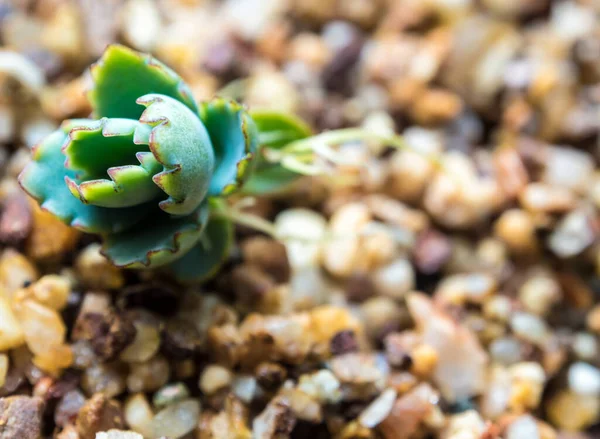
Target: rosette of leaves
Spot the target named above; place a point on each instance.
(150, 170)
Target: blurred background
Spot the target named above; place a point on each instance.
(492, 209)
(475, 70)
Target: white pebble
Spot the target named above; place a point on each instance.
(214, 378)
(395, 279)
(584, 379)
(523, 427)
(244, 387)
(302, 231)
(529, 327)
(322, 385)
(176, 420)
(585, 346)
(118, 434)
(141, 24)
(378, 410)
(572, 235)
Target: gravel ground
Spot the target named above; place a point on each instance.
(450, 289)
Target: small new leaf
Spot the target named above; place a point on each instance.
(123, 75)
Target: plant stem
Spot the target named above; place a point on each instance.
(247, 219)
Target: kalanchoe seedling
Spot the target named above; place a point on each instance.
(148, 173)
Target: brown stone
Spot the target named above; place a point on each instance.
(21, 417)
(99, 414)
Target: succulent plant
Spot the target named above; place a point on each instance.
(149, 173)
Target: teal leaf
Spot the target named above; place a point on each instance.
(204, 259)
(157, 240)
(44, 179)
(180, 142)
(123, 75)
(276, 130)
(235, 140)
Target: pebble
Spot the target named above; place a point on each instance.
(528, 379)
(170, 394)
(461, 365)
(539, 293)
(408, 412)
(395, 279)
(571, 411)
(512, 173)
(145, 344)
(7, 123)
(517, 229)
(593, 319)
(424, 360)
(118, 434)
(176, 420)
(568, 168)
(50, 239)
(214, 378)
(341, 253)
(108, 379)
(21, 417)
(410, 172)
(273, 91)
(321, 385)
(16, 220)
(432, 251)
(506, 350)
(141, 24)
(3, 369)
(42, 326)
(99, 414)
(573, 234)
(524, 427)
(148, 376)
(460, 288)
(585, 346)
(302, 232)
(529, 327)
(15, 271)
(244, 387)
(498, 307)
(584, 379)
(467, 425)
(138, 414)
(95, 271)
(378, 410)
(11, 333)
(382, 315)
(539, 197)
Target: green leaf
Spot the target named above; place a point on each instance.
(96, 149)
(180, 142)
(44, 179)
(129, 186)
(235, 141)
(269, 179)
(204, 259)
(157, 240)
(123, 75)
(276, 130)
(96, 145)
